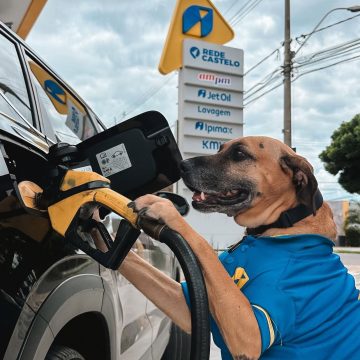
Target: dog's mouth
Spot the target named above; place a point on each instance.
(227, 197)
(229, 200)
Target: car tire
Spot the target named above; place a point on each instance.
(58, 352)
(179, 345)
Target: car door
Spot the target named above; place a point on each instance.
(136, 332)
(161, 257)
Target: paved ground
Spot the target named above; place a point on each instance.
(351, 261)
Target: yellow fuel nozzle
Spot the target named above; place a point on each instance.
(73, 198)
(63, 212)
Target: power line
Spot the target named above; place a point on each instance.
(260, 96)
(328, 66)
(240, 11)
(306, 72)
(336, 50)
(264, 59)
(304, 36)
(245, 13)
(146, 96)
(231, 6)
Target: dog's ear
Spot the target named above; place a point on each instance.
(302, 177)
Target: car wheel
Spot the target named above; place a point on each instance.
(179, 345)
(58, 352)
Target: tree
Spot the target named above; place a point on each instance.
(352, 226)
(343, 155)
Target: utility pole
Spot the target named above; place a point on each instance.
(287, 76)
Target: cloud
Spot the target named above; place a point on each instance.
(109, 51)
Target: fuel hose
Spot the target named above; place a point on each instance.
(200, 317)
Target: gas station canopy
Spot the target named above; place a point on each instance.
(20, 15)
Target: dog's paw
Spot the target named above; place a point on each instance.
(156, 208)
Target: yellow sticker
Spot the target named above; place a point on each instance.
(240, 277)
(193, 20)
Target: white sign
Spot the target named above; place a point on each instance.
(204, 55)
(75, 119)
(211, 79)
(213, 96)
(192, 110)
(212, 129)
(113, 160)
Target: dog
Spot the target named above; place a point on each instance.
(278, 294)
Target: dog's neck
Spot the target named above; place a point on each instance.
(290, 217)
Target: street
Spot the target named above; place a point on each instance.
(351, 261)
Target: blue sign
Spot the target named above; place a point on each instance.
(55, 91)
(198, 14)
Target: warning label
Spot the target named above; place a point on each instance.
(113, 160)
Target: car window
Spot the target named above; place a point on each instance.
(64, 117)
(12, 83)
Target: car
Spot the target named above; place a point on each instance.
(55, 301)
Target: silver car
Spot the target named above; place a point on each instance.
(55, 302)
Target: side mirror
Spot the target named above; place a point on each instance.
(179, 202)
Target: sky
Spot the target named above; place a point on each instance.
(109, 51)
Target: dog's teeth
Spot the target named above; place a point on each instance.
(202, 196)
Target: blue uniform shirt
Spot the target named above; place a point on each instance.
(303, 298)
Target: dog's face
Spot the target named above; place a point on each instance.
(251, 178)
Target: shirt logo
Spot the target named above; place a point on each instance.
(240, 277)
(197, 21)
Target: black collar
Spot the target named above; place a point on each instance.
(289, 217)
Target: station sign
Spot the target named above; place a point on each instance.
(203, 55)
(205, 128)
(212, 79)
(192, 110)
(213, 96)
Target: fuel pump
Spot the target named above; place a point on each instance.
(107, 171)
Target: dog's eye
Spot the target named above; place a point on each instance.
(239, 155)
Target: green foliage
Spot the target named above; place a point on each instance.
(352, 226)
(343, 155)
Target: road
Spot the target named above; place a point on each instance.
(351, 261)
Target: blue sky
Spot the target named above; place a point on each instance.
(109, 52)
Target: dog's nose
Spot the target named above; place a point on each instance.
(185, 166)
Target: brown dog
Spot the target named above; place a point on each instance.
(254, 180)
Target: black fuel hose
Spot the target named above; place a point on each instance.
(200, 323)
